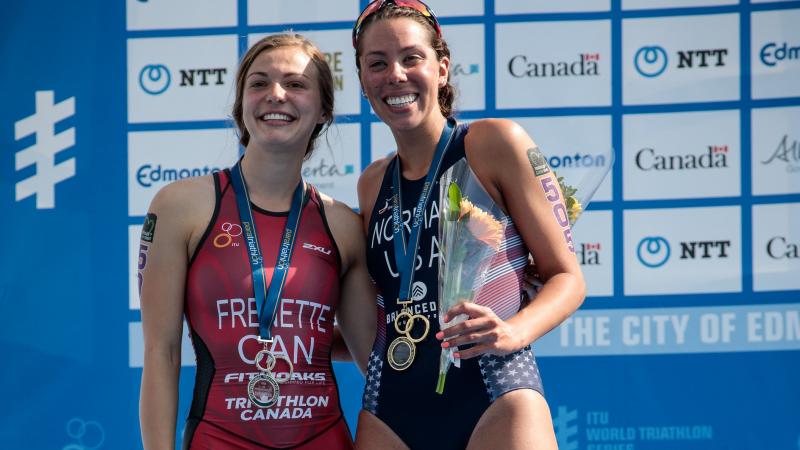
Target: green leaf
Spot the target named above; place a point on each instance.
(454, 201)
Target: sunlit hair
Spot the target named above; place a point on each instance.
(324, 78)
(447, 93)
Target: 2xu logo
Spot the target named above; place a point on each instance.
(316, 248)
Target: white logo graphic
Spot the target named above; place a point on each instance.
(386, 206)
(317, 248)
(43, 152)
(418, 291)
(229, 231)
(233, 229)
(89, 434)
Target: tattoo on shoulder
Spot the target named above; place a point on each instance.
(149, 227)
(538, 161)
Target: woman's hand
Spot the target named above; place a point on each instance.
(489, 333)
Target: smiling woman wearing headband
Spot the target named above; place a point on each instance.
(495, 400)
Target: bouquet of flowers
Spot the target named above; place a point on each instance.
(472, 227)
(470, 230)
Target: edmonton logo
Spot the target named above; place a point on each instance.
(147, 175)
(773, 53)
(578, 160)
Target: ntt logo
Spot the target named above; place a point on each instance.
(650, 61)
(653, 251)
(148, 174)
(154, 79)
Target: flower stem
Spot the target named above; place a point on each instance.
(440, 383)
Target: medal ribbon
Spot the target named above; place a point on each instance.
(405, 261)
(267, 299)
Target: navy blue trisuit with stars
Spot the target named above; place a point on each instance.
(406, 400)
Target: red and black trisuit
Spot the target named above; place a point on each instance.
(223, 321)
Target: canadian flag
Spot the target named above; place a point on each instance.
(719, 149)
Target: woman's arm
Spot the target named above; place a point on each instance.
(499, 151)
(355, 315)
(163, 260)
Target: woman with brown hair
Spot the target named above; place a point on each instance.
(495, 400)
(260, 264)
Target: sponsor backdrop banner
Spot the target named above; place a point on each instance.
(690, 336)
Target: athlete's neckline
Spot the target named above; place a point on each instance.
(404, 178)
(267, 212)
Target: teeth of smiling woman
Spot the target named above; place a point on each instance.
(402, 100)
(276, 116)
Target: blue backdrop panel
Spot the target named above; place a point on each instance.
(63, 333)
(676, 350)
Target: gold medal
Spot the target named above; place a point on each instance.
(403, 349)
(263, 389)
(401, 353)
